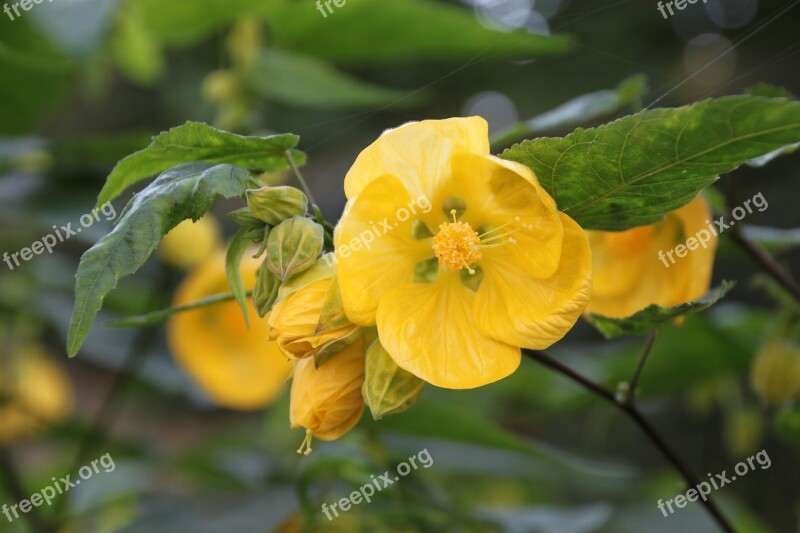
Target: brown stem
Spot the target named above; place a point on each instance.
(631, 410)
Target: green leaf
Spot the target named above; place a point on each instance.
(654, 316)
(233, 258)
(301, 80)
(377, 31)
(578, 110)
(632, 171)
(195, 141)
(183, 192)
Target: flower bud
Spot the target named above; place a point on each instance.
(293, 246)
(189, 242)
(776, 372)
(309, 320)
(273, 205)
(327, 400)
(388, 389)
(266, 290)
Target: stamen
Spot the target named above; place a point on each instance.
(306, 444)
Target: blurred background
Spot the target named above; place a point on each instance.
(84, 83)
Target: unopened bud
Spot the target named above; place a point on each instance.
(293, 246)
(388, 389)
(273, 205)
(245, 217)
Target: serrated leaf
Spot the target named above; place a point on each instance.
(183, 192)
(653, 316)
(195, 141)
(233, 273)
(632, 171)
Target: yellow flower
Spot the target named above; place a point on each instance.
(297, 321)
(327, 401)
(776, 372)
(236, 367)
(635, 268)
(34, 391)
(190, 242)
(458, 257)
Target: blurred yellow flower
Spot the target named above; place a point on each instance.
(190, 242)
(34, 392)
(776, 372)
(629, 275)
(236, 367)
(297, 321)
(327, 401)
(458, 257)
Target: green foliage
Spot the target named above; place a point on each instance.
(378, 31)
(300, 80)
(654, 316)
(183, 192)
(195, 141)
(632, 171)
(35, 76)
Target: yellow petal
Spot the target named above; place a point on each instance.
(429, 330)
(633, 269)
(417, 153)
(375, 250)
(496, 192)
(514, 307)
(236, 367)
(327, 400)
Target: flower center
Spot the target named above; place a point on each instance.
(457, 246)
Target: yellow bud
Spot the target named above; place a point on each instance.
(34, 391)
(388, 389)
(327, 400)
(220, 86)
(189, 242)
(775, 375)
(273, 205)
(309, 321)
(293, 246)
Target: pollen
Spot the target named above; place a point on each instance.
(457, 246)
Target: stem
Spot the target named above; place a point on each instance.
(154, 317)
(300, 179)
(648, 345)
(631, 410)
(768, 262)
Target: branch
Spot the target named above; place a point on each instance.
(629, 409)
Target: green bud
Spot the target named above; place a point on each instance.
(273, 205)
(387, 388)
(293, 246)
(265, 293)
